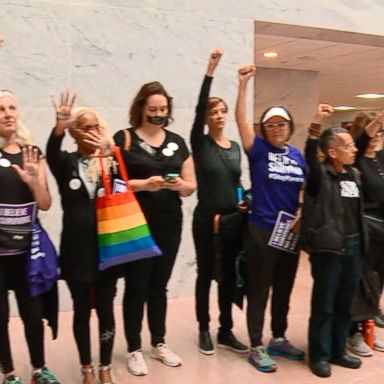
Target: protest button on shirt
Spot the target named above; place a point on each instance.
(277, 175)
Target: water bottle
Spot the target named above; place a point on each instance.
(369, 332)
(239, 194)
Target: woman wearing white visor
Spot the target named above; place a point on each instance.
(277, 171)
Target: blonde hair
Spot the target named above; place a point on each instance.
(93, 171)
(23, 136)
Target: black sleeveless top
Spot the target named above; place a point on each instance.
(12, 189)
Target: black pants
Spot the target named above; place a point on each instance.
(147, 280)
(100, 296)
(204, 244)
(335, 281)
(267, 267)
(13, 276)
(375, 258)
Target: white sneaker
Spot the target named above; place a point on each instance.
(378, 345)
(166, 355)
(136, 363)
(357, 345)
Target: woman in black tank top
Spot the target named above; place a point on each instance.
(22, 184)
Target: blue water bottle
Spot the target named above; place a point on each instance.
(239, 194)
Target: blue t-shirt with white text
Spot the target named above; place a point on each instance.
(277, 175)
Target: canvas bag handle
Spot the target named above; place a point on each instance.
(106, 180)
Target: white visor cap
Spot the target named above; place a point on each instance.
(276, 111)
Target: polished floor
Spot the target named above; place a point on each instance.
(222, 368)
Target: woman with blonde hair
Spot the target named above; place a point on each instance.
(78, 178)
(23, 188)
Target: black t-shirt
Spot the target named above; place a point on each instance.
(143, 161)
(350, 197)
(372, 176)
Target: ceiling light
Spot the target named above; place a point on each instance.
(270, 55)
(371, 95)
(343, 108)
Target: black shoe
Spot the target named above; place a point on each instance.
(205, 343)
(347, 361)
(228, 340)
(379, 320)
(320, 368)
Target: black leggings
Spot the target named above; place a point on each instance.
(147, 280)
(204, 244)
(100, 296)
(13, 276)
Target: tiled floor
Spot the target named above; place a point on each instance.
(222, 368)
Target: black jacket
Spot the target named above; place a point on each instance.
(79, 245)
(322, 227)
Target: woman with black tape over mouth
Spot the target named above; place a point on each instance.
(161, 171)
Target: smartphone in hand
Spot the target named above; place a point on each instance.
(171, 177)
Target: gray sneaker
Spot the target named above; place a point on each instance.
(357, 345)
(378, 344)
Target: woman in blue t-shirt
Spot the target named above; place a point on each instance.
(277, 171)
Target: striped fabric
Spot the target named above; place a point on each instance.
(123, 232)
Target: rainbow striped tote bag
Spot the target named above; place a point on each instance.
(123, 232)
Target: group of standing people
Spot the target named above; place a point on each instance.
(162, 171)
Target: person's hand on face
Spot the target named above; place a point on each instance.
(98, 140)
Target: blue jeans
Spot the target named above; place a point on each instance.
(335, 282)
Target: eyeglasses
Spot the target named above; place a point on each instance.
(348, 146)
(281, 125)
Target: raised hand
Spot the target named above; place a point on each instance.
(324, 110)
(246, 72)
(29, 172)
(64, 108)
(214, 60)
